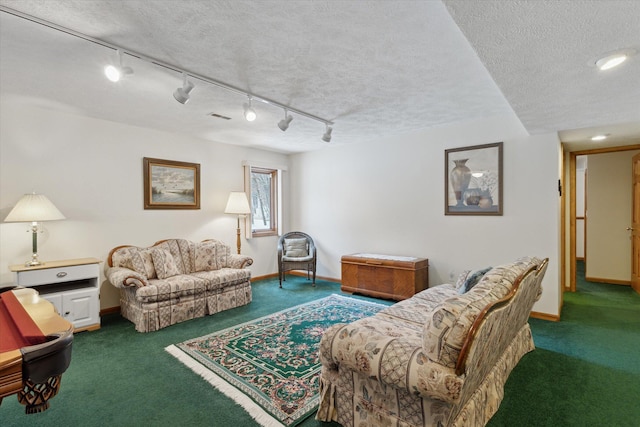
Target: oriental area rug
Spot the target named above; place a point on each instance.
(270, 366)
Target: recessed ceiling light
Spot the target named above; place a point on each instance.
(613, 59)
(599, 137)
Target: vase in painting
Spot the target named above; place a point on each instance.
(460, 177)
(471, 196)
(486, 201)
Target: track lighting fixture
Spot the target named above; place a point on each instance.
(284, 123)
(116, 72)
(249, 112)
(327, 133)
(182, 93)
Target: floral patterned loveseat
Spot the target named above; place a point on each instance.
(439, 358)
(176, 280)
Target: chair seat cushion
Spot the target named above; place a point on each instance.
(297, 258)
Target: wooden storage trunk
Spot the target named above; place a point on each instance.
(384, 276)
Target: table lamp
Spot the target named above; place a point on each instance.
(238, 204)
(34, 208)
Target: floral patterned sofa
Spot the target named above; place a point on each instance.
(176, 280)
(439, 358)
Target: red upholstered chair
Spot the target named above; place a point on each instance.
(296, 251)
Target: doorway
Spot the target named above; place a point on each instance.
(574, 214)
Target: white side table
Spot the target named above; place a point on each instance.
(72, 286)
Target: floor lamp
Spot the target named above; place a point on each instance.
(34, 208)
(238, 204)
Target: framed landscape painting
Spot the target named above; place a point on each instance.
(473, 180)
(170, 184)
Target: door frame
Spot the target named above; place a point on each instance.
(572, 210)
(635, 225)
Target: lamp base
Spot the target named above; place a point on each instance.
(34, 262)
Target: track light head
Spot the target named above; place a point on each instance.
(249, 112)
(182, 93)
(284, 123)
(116, 72)
(327, 134)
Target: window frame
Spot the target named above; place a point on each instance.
(274, 217)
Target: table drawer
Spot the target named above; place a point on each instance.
(57, 275)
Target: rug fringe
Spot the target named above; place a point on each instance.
(256, 412)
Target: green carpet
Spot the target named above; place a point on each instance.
(270, 366)
(584, 371)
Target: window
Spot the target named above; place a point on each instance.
(264, 201)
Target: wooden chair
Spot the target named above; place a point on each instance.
(296, 251)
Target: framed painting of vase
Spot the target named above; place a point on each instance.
(473, 180)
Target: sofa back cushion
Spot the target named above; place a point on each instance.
(172, 257)
(181, 251)
(164, 262)
(134, 258)
(448, 324)
(210, 255)
(142, 262)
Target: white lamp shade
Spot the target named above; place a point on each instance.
(237, 204)
(34, 207)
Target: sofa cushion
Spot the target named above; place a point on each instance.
(210, 255)
(142, 262)
(170, 288)
(225, 276)
(461, 279)
(414, 310)
(164, 263)
(448, 324)
(295, 248)
(472, 279)
(181, 251)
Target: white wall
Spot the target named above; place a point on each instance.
(609, 197)
(92, 171)
(383, 196)
(387, 196)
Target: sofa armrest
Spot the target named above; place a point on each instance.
(121, 277)
(392, 359)
(239, 261)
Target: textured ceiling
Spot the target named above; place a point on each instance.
(542, 55)
(375, 68)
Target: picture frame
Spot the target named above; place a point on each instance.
(170, 184)
(473, 180)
